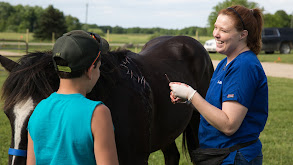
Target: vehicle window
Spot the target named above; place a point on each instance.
(287, 32)
(270, 32)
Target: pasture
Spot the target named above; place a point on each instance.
(141, 39)
(276, 137)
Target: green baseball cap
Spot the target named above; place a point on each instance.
(79, 49)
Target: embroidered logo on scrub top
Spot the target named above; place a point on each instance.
(219, 82)
(230, 95)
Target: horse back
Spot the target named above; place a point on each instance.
(182, 59)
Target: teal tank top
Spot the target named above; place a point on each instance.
(60, 128)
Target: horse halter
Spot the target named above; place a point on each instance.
(17, 152)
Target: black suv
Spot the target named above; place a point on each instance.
(277, 39)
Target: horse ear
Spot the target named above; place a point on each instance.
(7, 63)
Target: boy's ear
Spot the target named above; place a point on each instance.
(90, 72)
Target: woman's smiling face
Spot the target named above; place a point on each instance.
(226, 35)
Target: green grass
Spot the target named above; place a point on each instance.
(157, 158)
(5, 135)
(277, 136)
(5, 130)
(16, 36)
(20, 36)
(128, 38)
(284, 58)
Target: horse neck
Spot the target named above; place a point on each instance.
(117, 70)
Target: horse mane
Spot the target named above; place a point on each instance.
(34, 76)
(110, 71)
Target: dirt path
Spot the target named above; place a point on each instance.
(273, 69)
(7, 53)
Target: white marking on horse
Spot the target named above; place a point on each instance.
(21, 111)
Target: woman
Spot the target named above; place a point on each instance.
(236, 106)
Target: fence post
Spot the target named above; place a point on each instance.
(108, 36)
(196, 35)
(26, 47)
(53, 37)
(27, 35)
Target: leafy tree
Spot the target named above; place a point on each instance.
(187, 31)
(22, 18)
(5, 11)
(30, 17)
(282, 19)
(105, 28)
(269, 20)
(72, 23)
(51, 21)
(279, 19)
(118, 30)
(222, 5)
(134, 30)
(203, 31)
(14, 19)
(97, 31)
(17, 18)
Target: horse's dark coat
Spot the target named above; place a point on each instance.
(136, 90)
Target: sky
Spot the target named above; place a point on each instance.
(169, 14)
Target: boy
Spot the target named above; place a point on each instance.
(68, 128)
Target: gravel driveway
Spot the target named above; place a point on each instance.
(271, 69)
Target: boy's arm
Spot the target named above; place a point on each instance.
(104, 139)
(31, 159)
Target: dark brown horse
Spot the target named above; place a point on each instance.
(133, 86)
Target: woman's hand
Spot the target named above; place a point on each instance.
(181, 92)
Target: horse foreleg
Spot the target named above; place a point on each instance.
(171, 154)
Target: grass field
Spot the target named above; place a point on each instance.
(284, 58)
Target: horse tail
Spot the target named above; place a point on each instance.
(190, 135)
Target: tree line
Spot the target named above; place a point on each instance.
(44, 22)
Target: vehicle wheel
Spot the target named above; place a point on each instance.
(285, 48)
(269, 52)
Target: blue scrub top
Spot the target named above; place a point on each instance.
(242, 80)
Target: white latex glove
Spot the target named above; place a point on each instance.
(181, 90)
